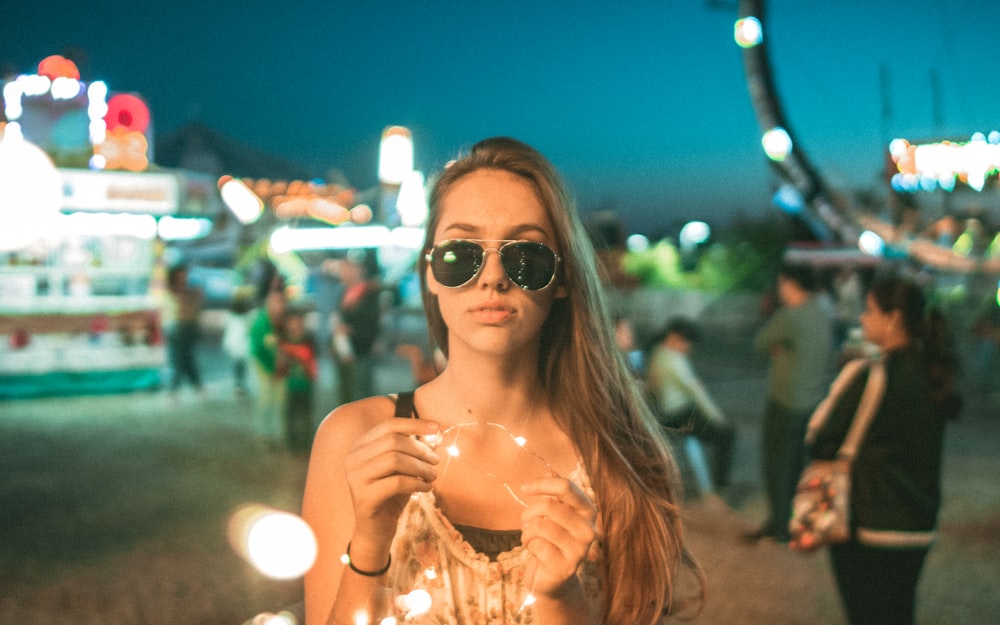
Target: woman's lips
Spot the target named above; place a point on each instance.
(492, 313)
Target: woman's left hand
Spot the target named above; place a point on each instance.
(557, 528)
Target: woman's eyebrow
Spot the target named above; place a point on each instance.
(513, 233)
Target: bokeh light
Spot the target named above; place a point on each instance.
(748, 32)
(240, 199)
(278, 544)
(30, 190)
(777, 144)
(871, 243)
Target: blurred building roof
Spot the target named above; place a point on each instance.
(197, 147)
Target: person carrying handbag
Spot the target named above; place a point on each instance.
(895, 473)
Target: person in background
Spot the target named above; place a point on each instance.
(896, 473)
(625, 339)
(298, 360)
(356, 327)
(236, 339)
(182, 329)
(580, 522)
(799, 339)
(328, 292)
(424, 368)
(849, 293)
(269, 408)
(684, 404)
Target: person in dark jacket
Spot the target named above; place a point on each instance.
(356, 326)
(896, 474)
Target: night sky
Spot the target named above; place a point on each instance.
(642, 105)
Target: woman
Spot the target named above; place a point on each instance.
(585, 526)
(896, 473)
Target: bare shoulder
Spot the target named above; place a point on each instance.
(346, 423)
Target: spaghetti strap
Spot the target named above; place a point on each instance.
(405, 408)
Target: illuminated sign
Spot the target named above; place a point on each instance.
(148, 193)
(75, 122)
(927, 166)
(395, 159)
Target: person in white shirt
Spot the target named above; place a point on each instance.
(684, 404)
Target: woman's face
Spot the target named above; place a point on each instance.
(877, 324)
(490, 313)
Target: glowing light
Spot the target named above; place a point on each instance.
(430, 573)
(788, 199)
(12, 100)
(928, 166)
(281, 618)
(245, 204)
(412, 201)
(286, 239)
(748, 32)
(127, 111)
(66, 88)
(279, 544)
(105, 224)
(395, 155)
(777, 144)
(124, 149)
(453, 451)
(694, 233)
(637, 243)
(520, 440)
(414, 603)
(871, 243)
(56, 66)
(529, 600)
(362, 618)
(30, 190)
(183, 228)
(432, 440)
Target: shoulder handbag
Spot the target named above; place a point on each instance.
(821, 506)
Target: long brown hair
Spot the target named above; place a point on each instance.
(595, 399)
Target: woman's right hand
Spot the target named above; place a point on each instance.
(384, 467)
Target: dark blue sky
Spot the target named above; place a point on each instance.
(643, 105)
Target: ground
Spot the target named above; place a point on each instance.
(115, 509)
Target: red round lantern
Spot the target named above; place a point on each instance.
(56, 66)
(128, 112)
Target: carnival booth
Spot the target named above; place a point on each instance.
(82, 225)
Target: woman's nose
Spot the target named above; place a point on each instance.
(493, 272)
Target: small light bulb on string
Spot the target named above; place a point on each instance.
(415, 603)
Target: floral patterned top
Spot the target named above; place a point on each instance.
(431, 559)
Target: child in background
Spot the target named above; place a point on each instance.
(236, 340)
(297, 358)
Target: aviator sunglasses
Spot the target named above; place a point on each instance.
(529, 264)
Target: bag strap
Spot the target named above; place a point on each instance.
(867, 407)
(870, 399)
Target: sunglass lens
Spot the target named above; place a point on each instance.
(455, 262)
(529, 265)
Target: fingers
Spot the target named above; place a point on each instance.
(556, 488)
(389, 461)
(558, 528)
(385, 451)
